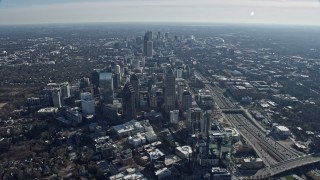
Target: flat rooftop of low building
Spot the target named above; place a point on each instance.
(282, 128)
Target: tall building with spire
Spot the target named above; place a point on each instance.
(169, 90)
(128, 102)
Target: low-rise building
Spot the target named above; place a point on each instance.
(218, 173)
(162, 173)
(130, 128)
(252, 163)
(184, 152)
(282, 131)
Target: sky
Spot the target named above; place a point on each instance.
(295, 12)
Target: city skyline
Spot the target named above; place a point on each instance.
(294, 12)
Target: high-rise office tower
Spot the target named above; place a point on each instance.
(147, 37)
(186, 100)
(128, 102)
(135, 64)
(65, 90)
(187, 72)
(84, 82)
(166, 35)
(194, 116)
(118, 69)
(174, 116)
(87, 104)
(158, 35)
(180, 92)
(116, 80)
(106, 87)
(134, 80)
(149, 49)
(169, 90)
(143, 62)
(179, 72)
(205, 124)
(95, 78)
(56, 98)
(153, 100)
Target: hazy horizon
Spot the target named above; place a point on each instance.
(285, 12)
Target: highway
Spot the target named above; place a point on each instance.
(287, 165)
(268, 150)
(217, 93)
(252, 140)
(275, 151)
(277, 157)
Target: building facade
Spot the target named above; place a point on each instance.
(128, 102)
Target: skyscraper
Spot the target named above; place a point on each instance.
(194, 117)
(174, 116)
(205, 124)
(180, 92)
(166, 35)
(147, 37)
(134, 80)
(128, 102)
(95, 77)
(186, 100)
(87, 104)
(106, 87)
(56, 98)
(149, 48)
(65, 90)
(169, 90)
(158, 35)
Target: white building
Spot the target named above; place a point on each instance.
(184, 152)
(129, 128)
(163, 173)
(87, 104)
(282, 131)
(151, 136)
(252, 163)
(65, 90)
(118, 70)
(174, 116)
(137, 140)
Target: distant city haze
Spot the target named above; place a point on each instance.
(295, 12)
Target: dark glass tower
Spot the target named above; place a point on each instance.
(128, 102)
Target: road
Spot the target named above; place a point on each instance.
(277, 157)
(269, 149)
(287, 165)
(217, 93)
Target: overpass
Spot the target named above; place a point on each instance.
(276, 157)
(286, 165)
